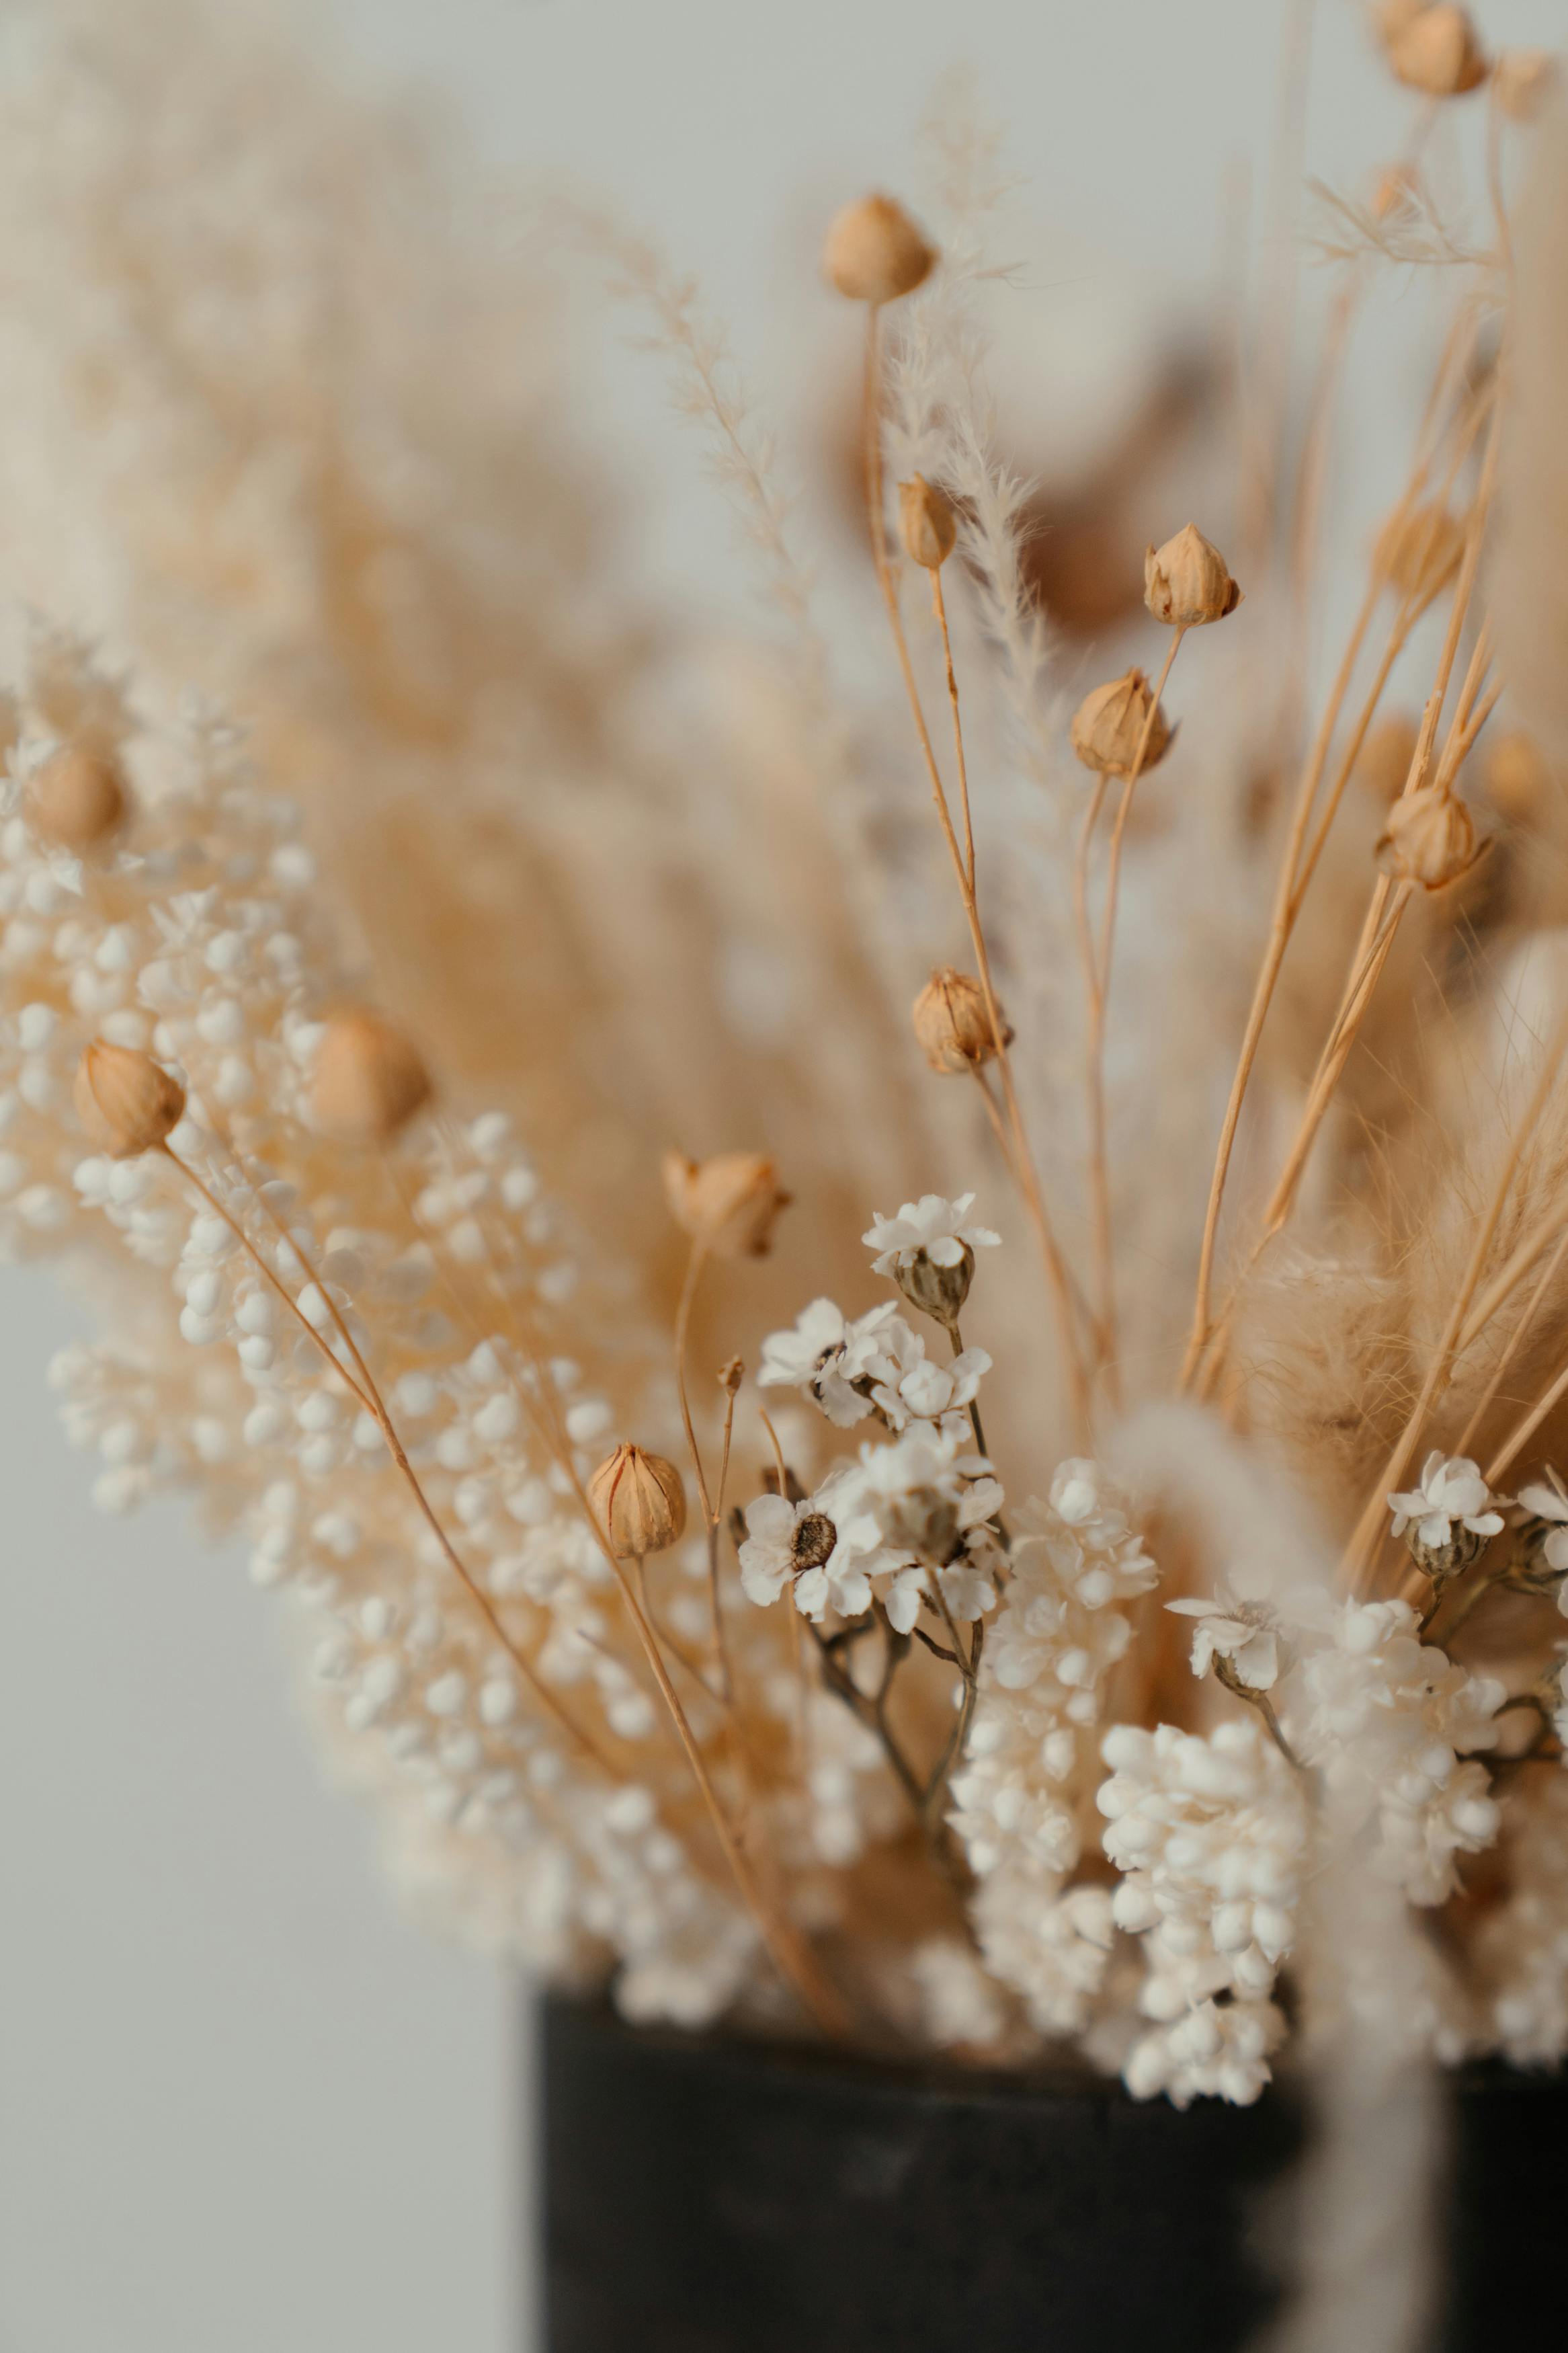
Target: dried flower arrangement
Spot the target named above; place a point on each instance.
(847, 1677)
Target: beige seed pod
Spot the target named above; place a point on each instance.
(953, 1026)
(127, 1102)
(1419, 550)
(1518, 779)
(728, 1203)
(76, 797)
(928, 524)
(1107, 727)
(1430, 838)
(368, 1079)
(640, 1500)
(1521, 78)
(1437, 51)
(1187, 582)
(1382, 770)
(874, 252)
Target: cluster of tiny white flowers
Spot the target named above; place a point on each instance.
(1018, 1800)
(1211, 1836)
(196, 934)
(1387, 1719)
(1522, 1949)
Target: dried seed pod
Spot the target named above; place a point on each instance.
(1521, 78)
(1383, 771)
(1430, 838)
(76, 797)
(1419, 550)
(952, 1025)
(1107, 727)
(1187, 582)
(127, 1102)
(938, 1292)
(874, 252)
(928, 524)
(1518, 779)
(728, 1203)
(640, 1500)
(369, 1079)
(1437, 51)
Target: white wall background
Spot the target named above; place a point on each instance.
(241, 2105)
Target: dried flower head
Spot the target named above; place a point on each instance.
(1518, 780)
(1449, 1519)
(1108, 726)
(640, 1500)
(1187, 582)
(928, 524)
(127, 1102)
(1383, 769)
(76, 797)
(369, 1079)
(1436, 50)
(1429, 838)
(728, 1203)
(952, 1025)
(1521, 78)
(1419, 550)
(875, 253)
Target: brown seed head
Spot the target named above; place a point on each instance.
(1383, 769)
(369, 1079)
(76, 797)
(1418, 551)
(1521, 78)
(874, 252)
(952, 1025)
(1518, 779)
(1187, 583)
(1107, 727)
(1437, 51)
(928, 524)
(728, 1203)
(1430, 838)
(640, 1500)
(127, 1102)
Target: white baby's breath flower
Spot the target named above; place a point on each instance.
(921, 1389)
(1241, 1634)
(932, 1225)
(834, 1362)
(1452, 1492)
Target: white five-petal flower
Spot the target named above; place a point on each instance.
(1241, 1632)
(932, 1224)
(1451, 1490)
(826, 1354)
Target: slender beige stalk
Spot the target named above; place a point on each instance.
(1026, 1174)
(1368, 1528)
(694, 1266)
(1510, 1348)
(370, 1397)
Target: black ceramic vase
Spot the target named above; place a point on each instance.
(706, 2195)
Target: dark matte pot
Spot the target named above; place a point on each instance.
(718, 2196)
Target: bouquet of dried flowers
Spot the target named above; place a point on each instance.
(1136, 1617)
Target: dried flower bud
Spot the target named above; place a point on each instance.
(640, 1500)
(952, 1025)
(928, 522)
(875, 253)
(728, 1203)
(1419, 550)
(1382, 770)
(127, 1102)
(1187, 582)
(1430, 838)
(938, 1292)
(369, 1079)
(76, 797)
(1521, 78)
(1518, 779)
(1436, 50)
(1107, 727)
